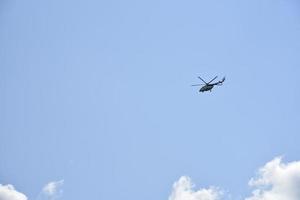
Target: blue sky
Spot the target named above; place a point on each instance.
(97, 93)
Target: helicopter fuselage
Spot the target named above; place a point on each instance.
(207, 87)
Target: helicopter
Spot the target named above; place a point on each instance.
(208, 86)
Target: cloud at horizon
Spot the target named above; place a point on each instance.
(8, 192)
(51, 191)
(274, 181)
(183, 189)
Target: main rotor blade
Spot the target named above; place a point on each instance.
(197, 84)
(213, 79)
(202, 79)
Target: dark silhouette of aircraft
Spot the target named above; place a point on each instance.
(208, 86)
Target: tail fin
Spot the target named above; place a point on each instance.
(221, 82)
(223, 79)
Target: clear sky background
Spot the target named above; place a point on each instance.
(97, 93)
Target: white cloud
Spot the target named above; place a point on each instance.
(53, 190)
(183, 190)
(8, 192)
(277, 181)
